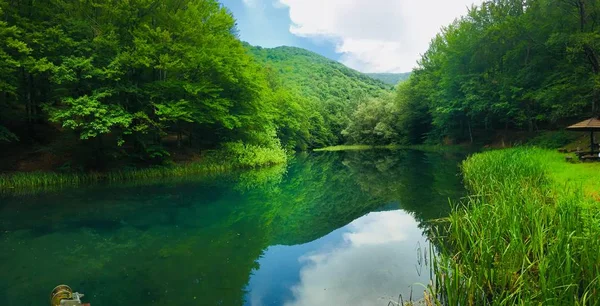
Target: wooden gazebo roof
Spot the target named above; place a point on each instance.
(588, 125)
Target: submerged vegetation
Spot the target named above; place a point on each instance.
(526, 236)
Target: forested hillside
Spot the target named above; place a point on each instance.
(507, 65)
(96, 82)
(390, 78)
(107, 84)
(316, 75)
(104, 84)
(329, 89)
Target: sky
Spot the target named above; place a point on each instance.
(367, 35)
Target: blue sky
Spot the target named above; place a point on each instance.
(367, 35)
(268, 26)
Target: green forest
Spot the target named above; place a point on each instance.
(98, 85)
(390, 78)
(508, 65)
(101, 84)
(326, 92)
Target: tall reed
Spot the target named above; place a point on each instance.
(521, 238)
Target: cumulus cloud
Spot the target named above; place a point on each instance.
(375, 35)
(380, 228)
(371, 267)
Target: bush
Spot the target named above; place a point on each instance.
(251, 156)
(553, 139)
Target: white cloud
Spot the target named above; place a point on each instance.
(370, 268)
(380, 228)
(375, 35)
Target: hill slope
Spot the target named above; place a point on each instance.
(317, 76)
(390, 78)
(332, 90)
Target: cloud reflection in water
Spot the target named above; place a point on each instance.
(370, 263)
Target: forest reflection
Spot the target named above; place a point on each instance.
(173, 242)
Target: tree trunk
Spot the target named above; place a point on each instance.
(32, 97)
(470, 130)
(27, 84)
(590, 54)
(179, 137)
(582, 21)
(99, 162)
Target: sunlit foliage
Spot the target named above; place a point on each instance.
(102, 83)
(506, 65)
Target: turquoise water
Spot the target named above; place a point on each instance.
(340, 228)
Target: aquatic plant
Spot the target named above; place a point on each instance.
(525, 235)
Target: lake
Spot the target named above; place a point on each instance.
(331, 228)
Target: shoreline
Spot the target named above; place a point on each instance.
(220, 162)
(30, 182)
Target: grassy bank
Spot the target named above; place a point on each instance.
(232, 156)
(528, 234)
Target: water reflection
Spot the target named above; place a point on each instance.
(324, 230)
(368, 262)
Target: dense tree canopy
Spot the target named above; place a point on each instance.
(507, 64)
(514, 64)
(374, 122)
(390, 78)
(327, 90)
(100, 81)
(96, 83)
(121, 75)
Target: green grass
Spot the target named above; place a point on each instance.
(233, 156)
(527, 235)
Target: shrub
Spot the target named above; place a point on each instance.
(553, 139)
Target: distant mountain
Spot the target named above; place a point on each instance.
(390, 78)
(317, 76)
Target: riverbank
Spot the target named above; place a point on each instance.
(235, 156)
(526, 235)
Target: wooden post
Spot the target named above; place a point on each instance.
(592, 142)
